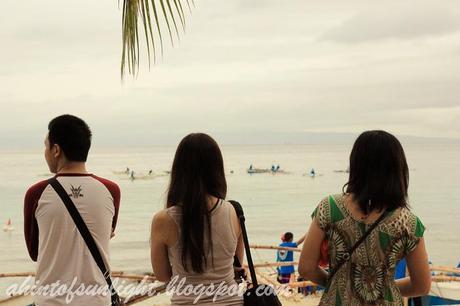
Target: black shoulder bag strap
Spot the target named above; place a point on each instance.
(347, 255)
(87, 237)
(240, 214)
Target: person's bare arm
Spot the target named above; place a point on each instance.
(239, 252)
(301, 240)
(311, 254)
(240, 249)
(419, 281)
(162, 226)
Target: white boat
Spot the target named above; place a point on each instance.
(445, 286)
(446, 290)
(257, 170)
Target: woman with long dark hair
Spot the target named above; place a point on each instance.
(194, 240)
(375, 204)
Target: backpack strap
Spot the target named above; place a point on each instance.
(85, 233)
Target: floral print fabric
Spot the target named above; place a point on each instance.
(367, 278)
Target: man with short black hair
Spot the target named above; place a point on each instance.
(52, 237)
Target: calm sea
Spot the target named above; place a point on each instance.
(273, 203)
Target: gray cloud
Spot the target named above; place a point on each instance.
(238, 68)
(404, 20)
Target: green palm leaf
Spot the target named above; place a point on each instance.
(150, 15)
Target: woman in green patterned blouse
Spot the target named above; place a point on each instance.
(378, 183)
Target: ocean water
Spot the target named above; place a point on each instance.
(273, 203)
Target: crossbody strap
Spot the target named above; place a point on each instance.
(347, 255)
(240, 214)
(84, 231)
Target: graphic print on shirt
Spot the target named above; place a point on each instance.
(282, 254)
(76, 192)
(46, 220)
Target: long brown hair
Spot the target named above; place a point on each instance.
(197, 172)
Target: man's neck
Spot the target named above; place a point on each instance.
(72, 167)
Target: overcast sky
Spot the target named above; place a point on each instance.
(257, 70)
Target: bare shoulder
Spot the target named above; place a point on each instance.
(231, 209)
(164, 228)
(162, 220)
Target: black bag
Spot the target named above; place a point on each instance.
(89, 240)
(255, 295)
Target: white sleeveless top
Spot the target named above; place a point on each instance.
(219, 268)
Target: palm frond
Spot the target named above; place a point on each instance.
(151, 15)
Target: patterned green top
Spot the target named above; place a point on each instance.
(367, 278)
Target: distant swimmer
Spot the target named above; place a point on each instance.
(8, 227)
(250, 167)
(150, 172)
(312, 172)
(127, 170)
(132, 175)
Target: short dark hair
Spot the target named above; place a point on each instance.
(288, 236)
(379, 175)
(72, 134)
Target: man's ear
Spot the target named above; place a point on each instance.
(56, 150)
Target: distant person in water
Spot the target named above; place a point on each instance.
(8, 227)
(286, 274)
(196, 237)
(52, 238)
(375, 195)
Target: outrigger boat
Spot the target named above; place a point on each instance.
(445, 288)
(257, 170)
(132, 175)
(273, 170)
(127, 171)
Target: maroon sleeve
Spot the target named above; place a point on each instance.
(30, 223)
(116, 195)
